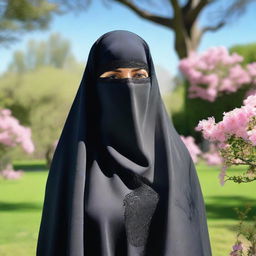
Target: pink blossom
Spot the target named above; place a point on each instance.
(251, 67)
(236, 120)
(211, 79)
(236, 123)
(227, 85)
(193, 149)
(215, 71)
(6, 112)
(218, 132)
(207, 127)
(223, 145)
(242, 133)
(212, 156)
(11, 174)
(206, 124)
(252, 136)
(12, 133)
(250, 101)
(197, 91)
(239, 75)
(235, 58)
(212, 93)
(250, 92)
(237, 249)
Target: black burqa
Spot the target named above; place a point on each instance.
(121, 182)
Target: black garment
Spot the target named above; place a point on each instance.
(122, 182)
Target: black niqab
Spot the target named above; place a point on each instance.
(122, 182)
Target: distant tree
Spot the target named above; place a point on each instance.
(18, 62)
(13, 135)
(23, 15)
(20, 16)
(248, 51)
(59, 50)
(56, 52)
(40, 79)
(41, 100)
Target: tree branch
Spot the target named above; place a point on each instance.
(209, 28)
(213, 28)
(167, 22)
(177, 10)
(238, 7)
(187, 6)
(175, 5)
(192, 14)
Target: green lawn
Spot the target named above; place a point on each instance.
(21, 205)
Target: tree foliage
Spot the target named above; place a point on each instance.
(41, 100)
(39, 87)
(248, 51)
(55, 51)
(20, 16)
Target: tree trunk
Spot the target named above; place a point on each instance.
(187, 39)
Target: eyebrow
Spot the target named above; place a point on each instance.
(136, 69)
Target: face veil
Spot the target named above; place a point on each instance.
(124, 120)
(121, 181)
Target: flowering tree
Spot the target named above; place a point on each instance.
(215, 72)
(235, 137)
(215, 81)
(12, 134)
(212, 156)
(246, 231)
(10, 174)
(193, 149)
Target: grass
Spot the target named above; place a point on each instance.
(20, 211)
(220, 202)
(21, 206)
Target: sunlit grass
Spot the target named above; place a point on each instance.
(220, 202)
(20, 211)
(21, 205)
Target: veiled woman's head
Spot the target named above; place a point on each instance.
(124, 100)
(121, 54)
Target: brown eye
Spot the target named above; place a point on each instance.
(112, 76)
(140, 75)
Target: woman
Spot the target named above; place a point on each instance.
(122, 182)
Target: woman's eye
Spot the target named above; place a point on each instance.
(136, 75)
(140, 75)
(113, 76)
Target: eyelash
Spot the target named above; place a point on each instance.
(111, 76)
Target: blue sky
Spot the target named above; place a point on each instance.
(83, 29)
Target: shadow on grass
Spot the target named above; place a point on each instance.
(20, 206)
(31, 167)
(222, 207)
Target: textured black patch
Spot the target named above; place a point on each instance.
(140, 205)
(187, 205)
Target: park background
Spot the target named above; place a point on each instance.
(42, 60)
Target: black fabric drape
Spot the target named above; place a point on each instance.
(122, 182)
